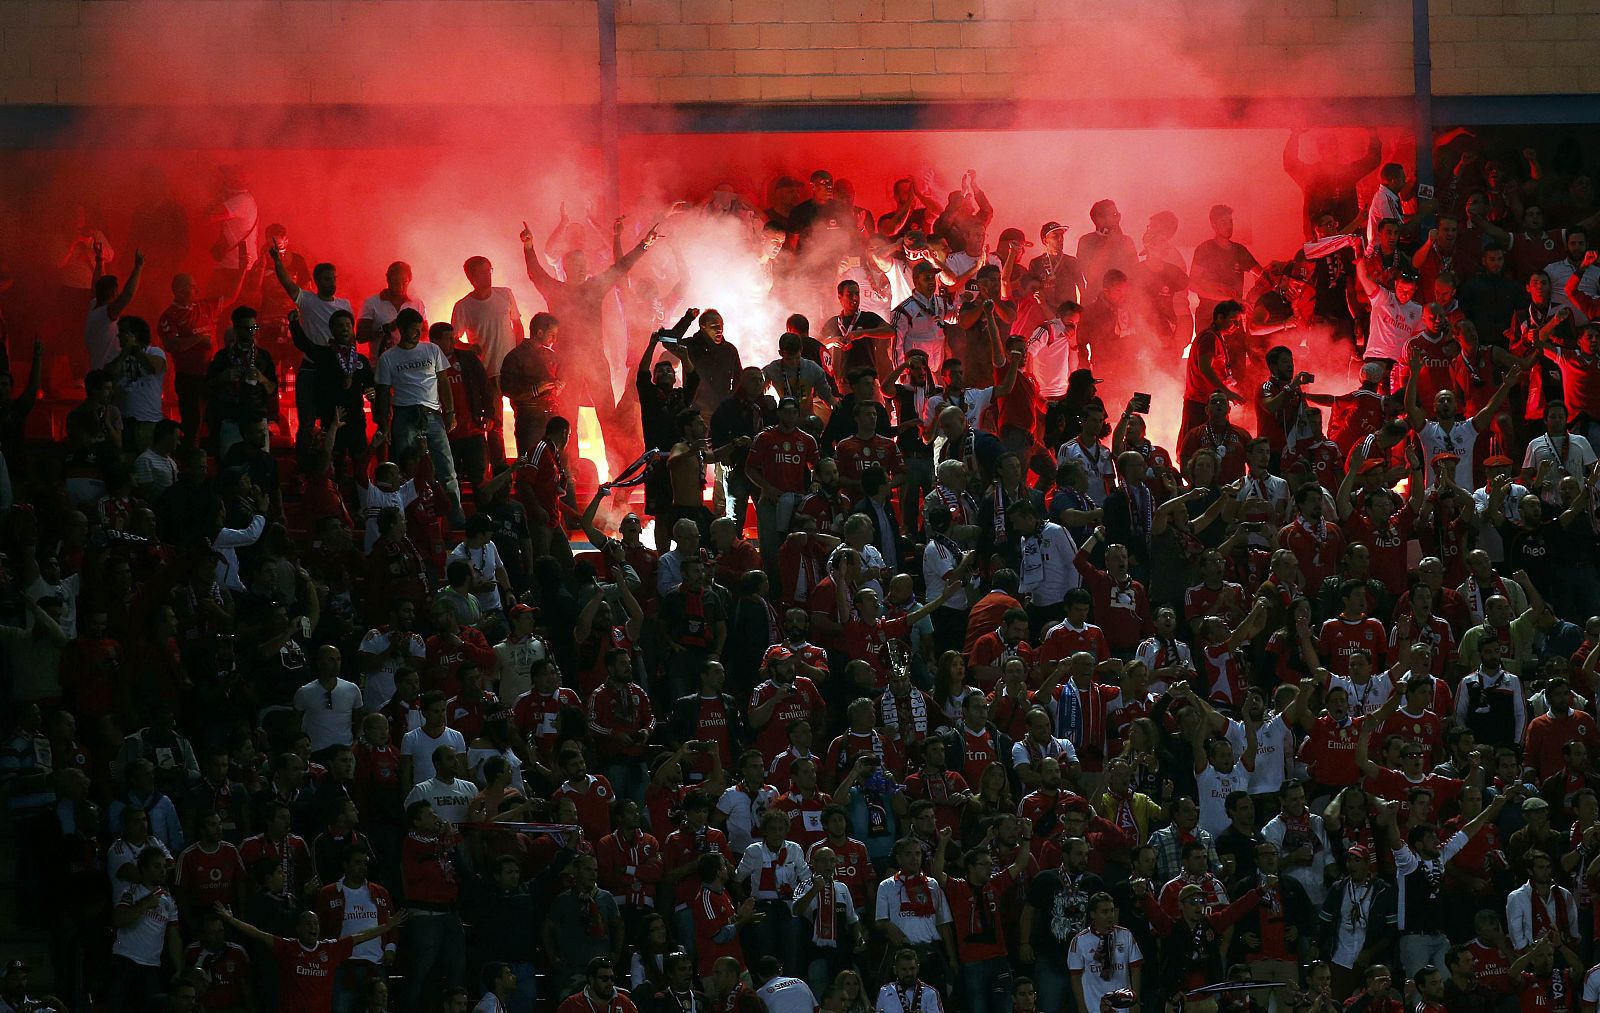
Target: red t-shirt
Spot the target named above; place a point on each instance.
(1317, 549)
(1330, 752)
(1393, 786)
(1339, 638)
(784, 459)
(1493, 967)
(855, 866)
(975, 916)
(684, 846)
(227, 975)
(538, 715)
(1226, 601)
(593, 805)
(991, 651)
(1433, 373)
(802, 703)
(712, 912)
(1206, 347)
(854, 455)
(206, 879)
(1062, 642)
(1324, 458)
(1386, 548)
(1425, 729)
(305, 974)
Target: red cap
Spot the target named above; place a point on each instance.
(1499, 461)
(1445, 455)
(520, 609)
(1369, 466)
(1360, 852)
(778, 653)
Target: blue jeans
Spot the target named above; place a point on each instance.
(1050, 977)
(527, 993)
(683, 930)
(414, 421)
(436, 943)
(627, 779)
(986, 985)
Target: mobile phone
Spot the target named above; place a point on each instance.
(1140, 403)
(1424, 191)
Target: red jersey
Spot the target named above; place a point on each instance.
(1475, 375)
(1386, 546)
(207, 878)
(685, 846)
(377, 783)
(1546, 735)
(801, 704)
(196, 323)
(1340, 637)
(979, 749)
(1493, 967)
(425, 517)
(546, 478)
(1354, 416)
(291, 853)
(428, 870)
(711, 725)
(1063, 640)
(1274, 426)
(1226, 601)
(1228, 442)
(226, 973)
(855, 868)
(538, 715)
(805, 816)
(466, 715)
(975, 916)
(855, 454)
(938, 788)
(1121, 607)
(1543, 993)
(630, 867)
(1317, 547)
(1209, 348)
(991, 651)
(1323, 458)
(1424, 729)
(1329, 752)
(785, 460)
(713, 912)
(1433, 372)
(843, 750)
(869, 640)
(305, 973)
(1394, 786)
(624, 712)
(445, 659)
(1222, 673)
(593, 802)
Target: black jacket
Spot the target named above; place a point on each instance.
(1383, 917)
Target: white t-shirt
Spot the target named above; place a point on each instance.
(419, 745)
(516, 666)
(154, 472)
(1459, 439)
(1589, 284)
(1214, 787)
(325, 714)
(1053, 356)
(1569, 456)
(476, 757)
(1084, 960)
(937, 561)
(787, 995)
(382, 312)
(315, 313)
(1591, 988)
(919, 929)
(143, 941)
(413, 373)
(141, 389)
(100, 335)
(448, 800)
(1364, 699)
(490, 324)
(1099, 463)
(239, 227)
(1274, 750)
(484, 562)
(1048, 570)
(973, 402)
(1393, 325)
(379, 689)
(67, 590)
(360, 914)
(373, 501)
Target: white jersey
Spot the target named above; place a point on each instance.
(897, 998)
(1458, 438)
(1102, 964)
(1214, 787)
(1274, 753)
(787, 995)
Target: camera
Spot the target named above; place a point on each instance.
(1140, 404)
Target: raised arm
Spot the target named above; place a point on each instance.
(244, 928)
(130, 288)
(278, 268)
(1485, 416)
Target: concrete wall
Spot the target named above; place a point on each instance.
(108, 52)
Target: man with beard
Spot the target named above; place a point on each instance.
(1057, 909)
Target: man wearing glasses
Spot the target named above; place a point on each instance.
(600, 993)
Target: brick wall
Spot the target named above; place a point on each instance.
(105, 52)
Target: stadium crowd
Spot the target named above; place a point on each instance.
(938, 681)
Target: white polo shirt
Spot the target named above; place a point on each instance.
(894, 905)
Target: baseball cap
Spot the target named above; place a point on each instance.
(1499, 461)
(779, 653)
(1014, 235)
(1534, 804)
(1190, 890)
(520, 609)
(1050, 227)
(1082, 376)
(1445, 455)
(788, 402)
(14, 966)
(1360, 852)
(1369, 467)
